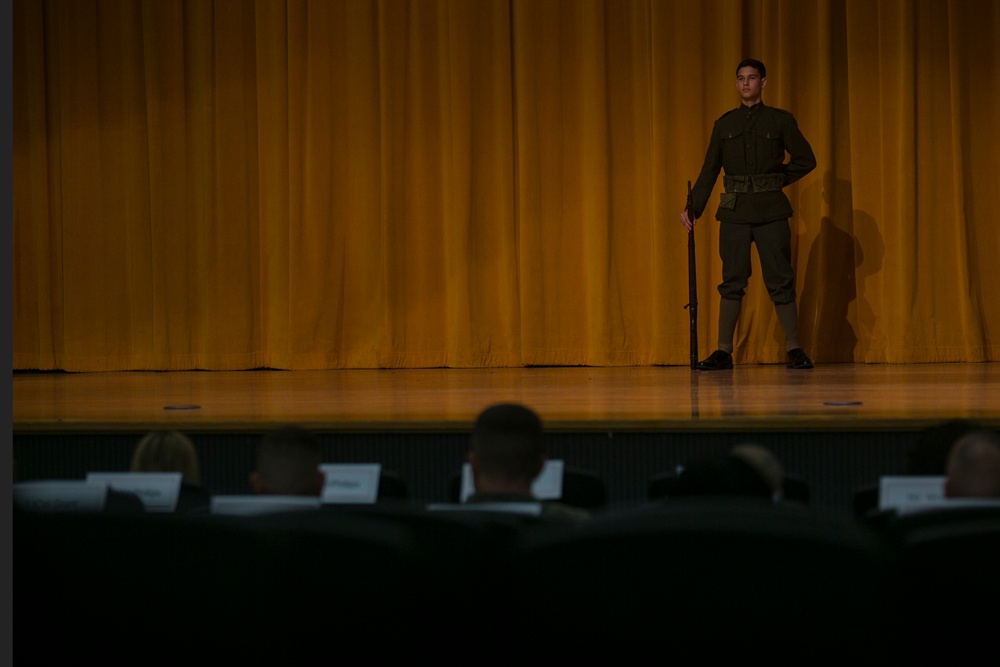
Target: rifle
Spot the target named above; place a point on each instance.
(692, 305)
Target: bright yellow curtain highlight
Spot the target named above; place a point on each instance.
(304, 184)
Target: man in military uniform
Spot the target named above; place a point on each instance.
(749, 144)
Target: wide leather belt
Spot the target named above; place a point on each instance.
(754, 183)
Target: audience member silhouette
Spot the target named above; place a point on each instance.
(748, 471)
(927, 456)
(287, 464)
(167, 451)
(172, 451)
(973, 469)
(506, 454)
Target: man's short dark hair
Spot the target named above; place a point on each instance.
(756, 64)
(288, 460)
(507, 441)
(974, 466)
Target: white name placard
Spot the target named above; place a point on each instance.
(60, 496)
(158, 491)
(547, 486)
(352, 483)
(905, 492)
(251, 505)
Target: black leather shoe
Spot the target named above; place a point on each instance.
(797, 359)
(719, 360)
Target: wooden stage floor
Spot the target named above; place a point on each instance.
(764, 397)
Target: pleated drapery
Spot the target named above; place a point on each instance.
(299, 184)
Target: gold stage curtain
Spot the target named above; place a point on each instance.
(302, 184)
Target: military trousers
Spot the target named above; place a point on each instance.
(774, 248)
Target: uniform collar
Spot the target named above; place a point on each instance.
(752, 110)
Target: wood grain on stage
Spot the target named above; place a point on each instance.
(763, 397)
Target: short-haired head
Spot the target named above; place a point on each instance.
(974, 466)
(167, 451)
(756, 64)
(507, 446)
(287, 463)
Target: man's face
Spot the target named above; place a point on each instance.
(749, 84)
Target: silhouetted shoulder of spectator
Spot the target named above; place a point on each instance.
(193, 499)
(973, 469)
(725, 475)
(123, 502)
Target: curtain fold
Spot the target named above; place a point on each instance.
(310, 184)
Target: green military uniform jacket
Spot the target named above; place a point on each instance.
(749, 144)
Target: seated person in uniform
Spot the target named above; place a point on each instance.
(506, 454)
